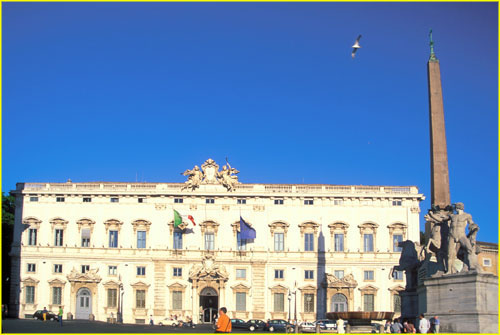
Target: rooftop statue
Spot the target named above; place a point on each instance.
(226, 178)
(210, 174)
(195, 176)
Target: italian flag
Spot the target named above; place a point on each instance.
(178, 219)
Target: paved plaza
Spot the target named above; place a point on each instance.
(80, 326)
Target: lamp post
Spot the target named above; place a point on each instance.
(289, 305)
(120, 304)
(295, 312)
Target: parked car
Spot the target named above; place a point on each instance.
(239, 323)
(278, 325)
(307, 327)
(326, 324)
(38, 315)
(169, 322)
(255, 324)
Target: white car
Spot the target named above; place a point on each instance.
(169, 322)
(307, 327)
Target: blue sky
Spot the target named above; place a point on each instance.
(119, 91)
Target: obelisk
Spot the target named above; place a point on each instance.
(440, 184)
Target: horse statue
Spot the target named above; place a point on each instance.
(408, 262)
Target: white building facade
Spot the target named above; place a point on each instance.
(105, 250)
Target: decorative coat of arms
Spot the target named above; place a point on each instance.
(210, 174)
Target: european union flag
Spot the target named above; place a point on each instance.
(246, 232)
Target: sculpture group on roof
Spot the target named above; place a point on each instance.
(210, 174)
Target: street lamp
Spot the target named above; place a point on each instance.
(289, 305)
(120, 301)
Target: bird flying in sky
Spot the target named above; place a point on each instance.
(356, 46)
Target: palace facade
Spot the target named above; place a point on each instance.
(110, 250)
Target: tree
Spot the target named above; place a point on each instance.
(8, 211)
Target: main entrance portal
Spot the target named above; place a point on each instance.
(83, 304)
(209, 304)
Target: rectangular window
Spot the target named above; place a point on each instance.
(177, 300)
(32, 233)
(339, 242)
(396, 203)
(486, 262)
(308, 202)
(309, 242)
(309, 274)
(85, 268)
(241, 273)
(279, 302)
(113, 238)
(140, 299)
(241, 201)
(339, 274)
(112, 297)
(279, 241)
(240, 244)
(112, 270)
(34, 199)
(141, 239)
(140, 200)
(209, 241)
(87, 199)
(209, 200)
(56, 295)
(30, 294)
(114, 200)
(368, 302)
(141, 270)
(58, 237)
(177, 272)
(397, 303)
(86, 238)
(178, 200)
(59, 199)
(177, 240)
(398, 275)
(368, 242)
(338, 202)
(241, 301)
(278, 274)
(278, 201)
(396, 238)
(31, 267)
(309, 303)
(58, 268)
(369, 275)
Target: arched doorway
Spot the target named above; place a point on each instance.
(209, 304)
(83, 304)
(339, 303)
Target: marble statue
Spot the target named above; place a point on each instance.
(210, 174)
(226, 178)
(459, 242)
(195, 176)
(449, 241)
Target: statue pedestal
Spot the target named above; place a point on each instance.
(464, 302)
(409, 304)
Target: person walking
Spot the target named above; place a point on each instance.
(60, 315)
(423, 325)
(411, 328)
(436, 323)
(44, 313)
(396, 327)
(340, 326)
(223, 323)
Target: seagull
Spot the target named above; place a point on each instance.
(356, 46)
